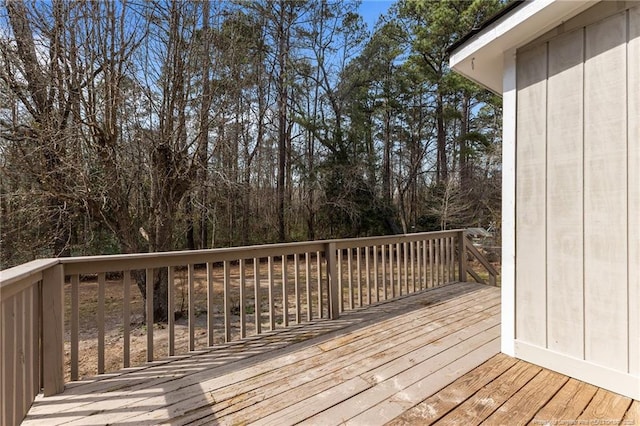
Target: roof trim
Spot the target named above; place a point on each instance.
(481, 56)
(502, 12)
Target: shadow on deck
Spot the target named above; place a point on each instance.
(319, 372)
(428, 358)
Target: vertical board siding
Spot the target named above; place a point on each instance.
(633, 181)
(605, 210)
(578, 193)
(565, 195)
(530, 196)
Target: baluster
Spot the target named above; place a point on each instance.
(171, 349)
(191, 309)
(75, 324)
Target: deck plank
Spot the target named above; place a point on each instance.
(294, 379)
(487, 400)
(138, 378)
(427, 386)
(524, 404)
(429, 358)
(436, 406)
(385, 384)
(606, 406)
(567, 404)
(308, 382)
(632, 416)
(436, 309)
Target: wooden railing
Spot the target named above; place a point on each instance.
(473, 252)
(213, 296)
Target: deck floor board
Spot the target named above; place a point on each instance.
(428, 358)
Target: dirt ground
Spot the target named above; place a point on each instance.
(114, 332)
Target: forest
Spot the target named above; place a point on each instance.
(150, 126)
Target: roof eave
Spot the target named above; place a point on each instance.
(481, 57)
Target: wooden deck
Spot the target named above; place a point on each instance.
(426, 358)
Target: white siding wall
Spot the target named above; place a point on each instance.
(578, 202)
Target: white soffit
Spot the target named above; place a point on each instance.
(481, 57)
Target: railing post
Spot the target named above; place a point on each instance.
(332, 280)
(462, 257)
(53, 330)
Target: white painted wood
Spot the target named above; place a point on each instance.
(564, 234)
(508, 226)
(480, 58)
(633, 190)
(530, 195)
(606, 304)
(594, 373)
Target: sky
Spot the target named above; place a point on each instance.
(372, 9)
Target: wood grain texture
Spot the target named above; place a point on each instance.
(632, 416)
(486, 401)
(368, 367)
(568, 403)
(606, 406)
(379, 333)
(431, 409)
(525, 403)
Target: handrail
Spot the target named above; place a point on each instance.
(266, 287)
(470, 248)
(15, 279)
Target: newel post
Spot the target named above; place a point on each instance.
(462, 258)
(53, 330)
(332, 278)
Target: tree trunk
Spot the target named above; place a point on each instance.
(441, 162)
